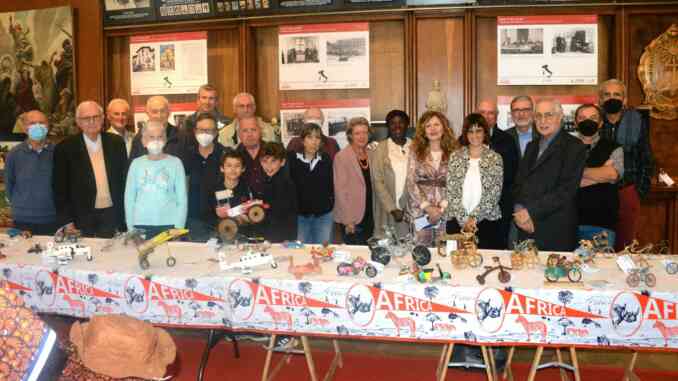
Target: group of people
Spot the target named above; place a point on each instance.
(533, 180)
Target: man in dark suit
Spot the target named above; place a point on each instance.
(546, 185)
(89, 176)
(158, 109)
(503, 144)
(523, 131)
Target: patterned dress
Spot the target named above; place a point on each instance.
(425, 185)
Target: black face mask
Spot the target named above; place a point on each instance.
(613, 105)
(587, 127)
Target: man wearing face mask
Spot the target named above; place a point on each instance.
(203, 160)
(598, 195)
(327, 144)
(628, 128)
(28, 178)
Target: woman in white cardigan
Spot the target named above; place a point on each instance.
(474, 182)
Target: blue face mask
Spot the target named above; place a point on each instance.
(37, 132)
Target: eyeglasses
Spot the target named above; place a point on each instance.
(206, 130)
(546, 116)
(89, 119)
(519, 110)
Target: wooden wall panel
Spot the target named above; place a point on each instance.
(440, 56)
(387, 72)
(88, 31)
(486, 64)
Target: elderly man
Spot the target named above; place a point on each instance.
(28, 178)
(502, 143)
(598, 196)
(249, 134)
(206, 101)
(629, 129)
(89, 176)
(244, 106)
(546, 185)
(203, 159)
(157, 109)
(327, 144)
(117, 114)
(522, 110)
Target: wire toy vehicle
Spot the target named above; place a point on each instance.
(525, 255)
(253, 209)
(504, 276)
(356, 266)
(146, 248)
(381, 250)
(601, 245)
(558, 267)
(640, 273)
(466, 253)
(671, 267)
(66, 234)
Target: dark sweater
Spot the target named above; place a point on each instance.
(598, 204)
(315, 189)
(280, 223)
(214, 184)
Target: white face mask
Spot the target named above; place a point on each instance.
(155, 147)
(204, 139)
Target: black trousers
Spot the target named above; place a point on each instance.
(100, 223)
(37, 229)
(490, 233)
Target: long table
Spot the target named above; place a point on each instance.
(601, 311)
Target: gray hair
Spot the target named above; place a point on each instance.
(117, 101)
(157, 98)
(244, 94)
(522, 98)
(556, 104)
(85, 103)
(611, 81)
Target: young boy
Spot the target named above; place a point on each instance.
(280, 223)
(226, 191)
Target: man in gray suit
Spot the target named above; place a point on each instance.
(522, 114)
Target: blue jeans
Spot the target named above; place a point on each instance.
(311, 229)
(588, 231)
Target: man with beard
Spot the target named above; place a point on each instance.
(626, 127)
(598, 195)
(523, 131)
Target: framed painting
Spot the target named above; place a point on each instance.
(37, 70)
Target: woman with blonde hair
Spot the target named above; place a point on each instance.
(427, 169)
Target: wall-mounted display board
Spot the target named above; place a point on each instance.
(547, 50)
(324, 56)
(173, 63)
(337, 114)
(117, 12)
(172, 10)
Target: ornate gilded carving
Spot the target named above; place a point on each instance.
(658, 73)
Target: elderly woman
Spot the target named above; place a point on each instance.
(389, 171)
(353, 186)
(311, 172)
(474, 183)
(427, 175)
(155, 194)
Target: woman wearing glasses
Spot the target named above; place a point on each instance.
(474, 183)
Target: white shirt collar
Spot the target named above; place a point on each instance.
(311, 163)
(93, 146)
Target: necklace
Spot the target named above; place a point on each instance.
(364, 164)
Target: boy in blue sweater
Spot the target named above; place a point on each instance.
(155, 193)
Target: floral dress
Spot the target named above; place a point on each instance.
(426, 186)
